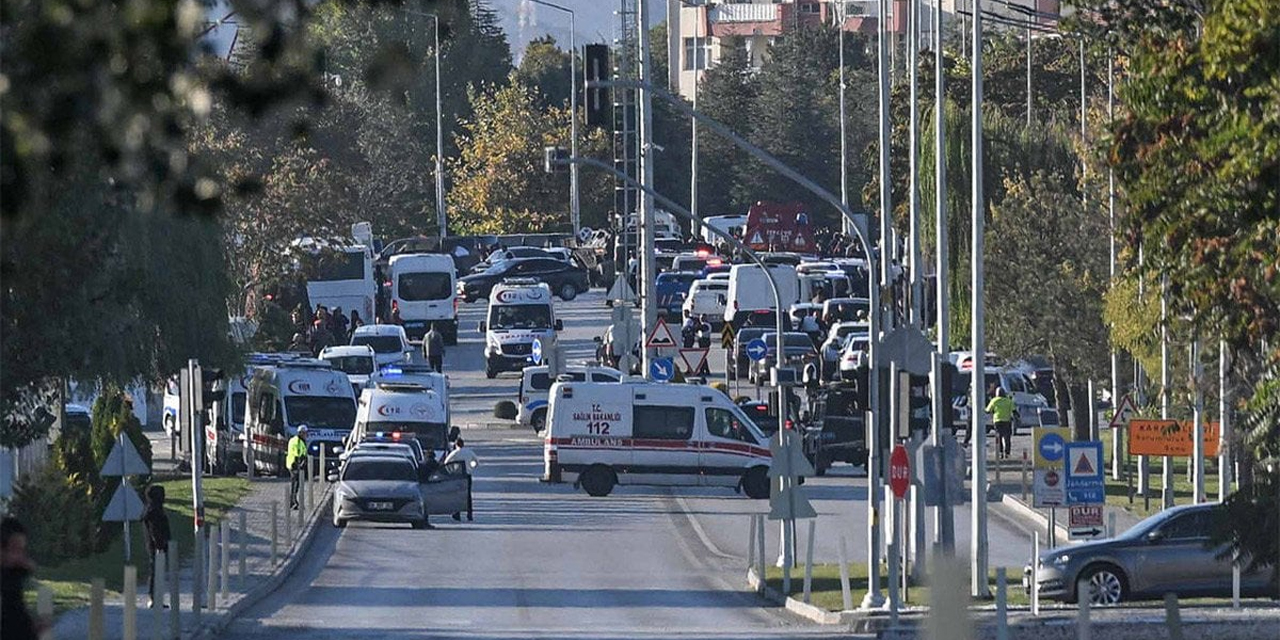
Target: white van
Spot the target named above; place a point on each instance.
(601, 435)
(707, 297)
(424, 288)
(520, 311)
(389, 342)
(287, 395)
(224, 433)
(726, 224)
(749, 290)
(357, 361)
(405, 408)
(536, 382)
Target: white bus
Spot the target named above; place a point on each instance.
(345, 279)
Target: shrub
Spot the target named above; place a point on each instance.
(60, 515)
(505, 410)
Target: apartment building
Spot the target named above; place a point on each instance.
(698, 28)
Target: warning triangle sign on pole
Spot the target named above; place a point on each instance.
(1083, 468)
(125, 505)
(1124, 411)
(756, 238)
(124, 460)
(661, 337)
(621, 290)
(694, 359)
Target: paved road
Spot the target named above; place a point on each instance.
(546, 560)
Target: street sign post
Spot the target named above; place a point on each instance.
(899, 472)
(661, 369)
(1048, 488)
(726, 336)
(1124, 412)
(757, 349)
(535, 352)
(125, 506)
(695, 360)
(1084, 522)
(1084, 473)
(661, 337)
(1170, 438)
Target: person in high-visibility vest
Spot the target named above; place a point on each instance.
(295, 457)
(1001, 410)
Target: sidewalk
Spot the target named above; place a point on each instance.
(261, 575)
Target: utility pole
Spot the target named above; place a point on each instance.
(1166, 399)
(1111, 215)
(648, 310)
(1197, 422)
(916, 265)
(441, 220)
(944, 523)
(575, 214)
(978, 534)
(1029, 18)
(1224, 419)
(844, 139)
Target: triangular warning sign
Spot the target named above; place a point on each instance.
(124, 505)
(621, 290)
(694, 360)
(661, 337)
(1083, 468)
(756, 238)
(124, 461)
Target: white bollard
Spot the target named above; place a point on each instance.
(751, 542)
(211, 571)
(760, 558)
(275, 532)
(846, 594)
(130, 611)
(808, 563)
(175, 612)
(1035, 568)
(96, 626)
(1084, 629)
(224, 550)
(159, 568)
(1235, 582)
(1172, 617)
(1002, 605)
(44, 607)
(242, 536)
(949, 601)
(1111, 524)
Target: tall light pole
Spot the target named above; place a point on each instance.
(1111, 214)
(916, 266)
(978, 533)
(575, 213)
(441, 219)
(648, 302)
(844, 140)
(944, 525)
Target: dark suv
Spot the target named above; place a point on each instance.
(566, 280)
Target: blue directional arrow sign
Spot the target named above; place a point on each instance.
(756, 349)
(661, 369)
(1084, 473)
(536, 351)
(1052, 447)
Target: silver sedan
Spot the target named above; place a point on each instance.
(1169, 552)
(379, 489)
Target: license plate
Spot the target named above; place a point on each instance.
(379, 506)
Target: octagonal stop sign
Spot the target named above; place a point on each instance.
(899, 472)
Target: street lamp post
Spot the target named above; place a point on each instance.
(575, 213)
(440, 214)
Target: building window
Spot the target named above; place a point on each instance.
(811, 7)
(697, 53)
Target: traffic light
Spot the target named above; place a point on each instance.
(595, 68)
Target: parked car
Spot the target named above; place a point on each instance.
(671, 289)
(1169, 552)
(565, 279)
(797, 351)
(739, 364)
(837, 335)
(837, 431)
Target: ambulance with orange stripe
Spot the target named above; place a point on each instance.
(600, 435)
(291, 393)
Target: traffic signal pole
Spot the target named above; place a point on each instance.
(648, 272)
(978, 534)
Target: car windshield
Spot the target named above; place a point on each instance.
(238, 400)
(793, 341)
(354, 365)
(432, 435)
(521, 316)
(425, 286)
(373, 469)
(327, 412)
(380, 344)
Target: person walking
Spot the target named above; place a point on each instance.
(468, 457)
(156, 523)
(433, 348)
(295, 458)
(356, 321)
(1001, 409)
(16, 566)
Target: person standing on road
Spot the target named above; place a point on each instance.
(295, 457)
(433, 348)
(156, 523)
(1001, 410)
(469, 462)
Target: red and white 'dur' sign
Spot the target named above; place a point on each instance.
(899, 472)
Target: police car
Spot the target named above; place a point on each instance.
(600, 435)
(535, 382)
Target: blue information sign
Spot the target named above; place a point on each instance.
(1084, 473)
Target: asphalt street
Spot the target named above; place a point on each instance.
(546, 560)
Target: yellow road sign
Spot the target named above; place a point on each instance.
(1050, 446)
(726, 336)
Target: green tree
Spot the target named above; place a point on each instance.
(545, 67)
(726, 92)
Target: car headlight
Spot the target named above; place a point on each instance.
(1060, 561)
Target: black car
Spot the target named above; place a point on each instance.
(566, 280)
(837, 432)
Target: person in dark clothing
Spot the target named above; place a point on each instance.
(156, 522)
(16, 566)
(433, 348)
(356, 322)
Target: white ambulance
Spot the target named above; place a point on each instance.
(520, 311)
(536, 382)
(287, 395)
(600, 435)
(406, 408)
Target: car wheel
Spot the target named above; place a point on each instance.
(568, 291)
(1106, 585)
(420, 524)
(820, 464)
(539, 420)
(755, 483)
(597, 481)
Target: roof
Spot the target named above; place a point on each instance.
(347, 350)
(378, 330)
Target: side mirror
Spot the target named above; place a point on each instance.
(481, 327)
(1155, 537)
(559, 324)
(454, 433)
(597, 339)
(333, 477)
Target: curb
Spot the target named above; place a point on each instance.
(858, 621)
(293, 556)
(1026, 512)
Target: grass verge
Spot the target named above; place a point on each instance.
(71, 580)
(826, 586)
